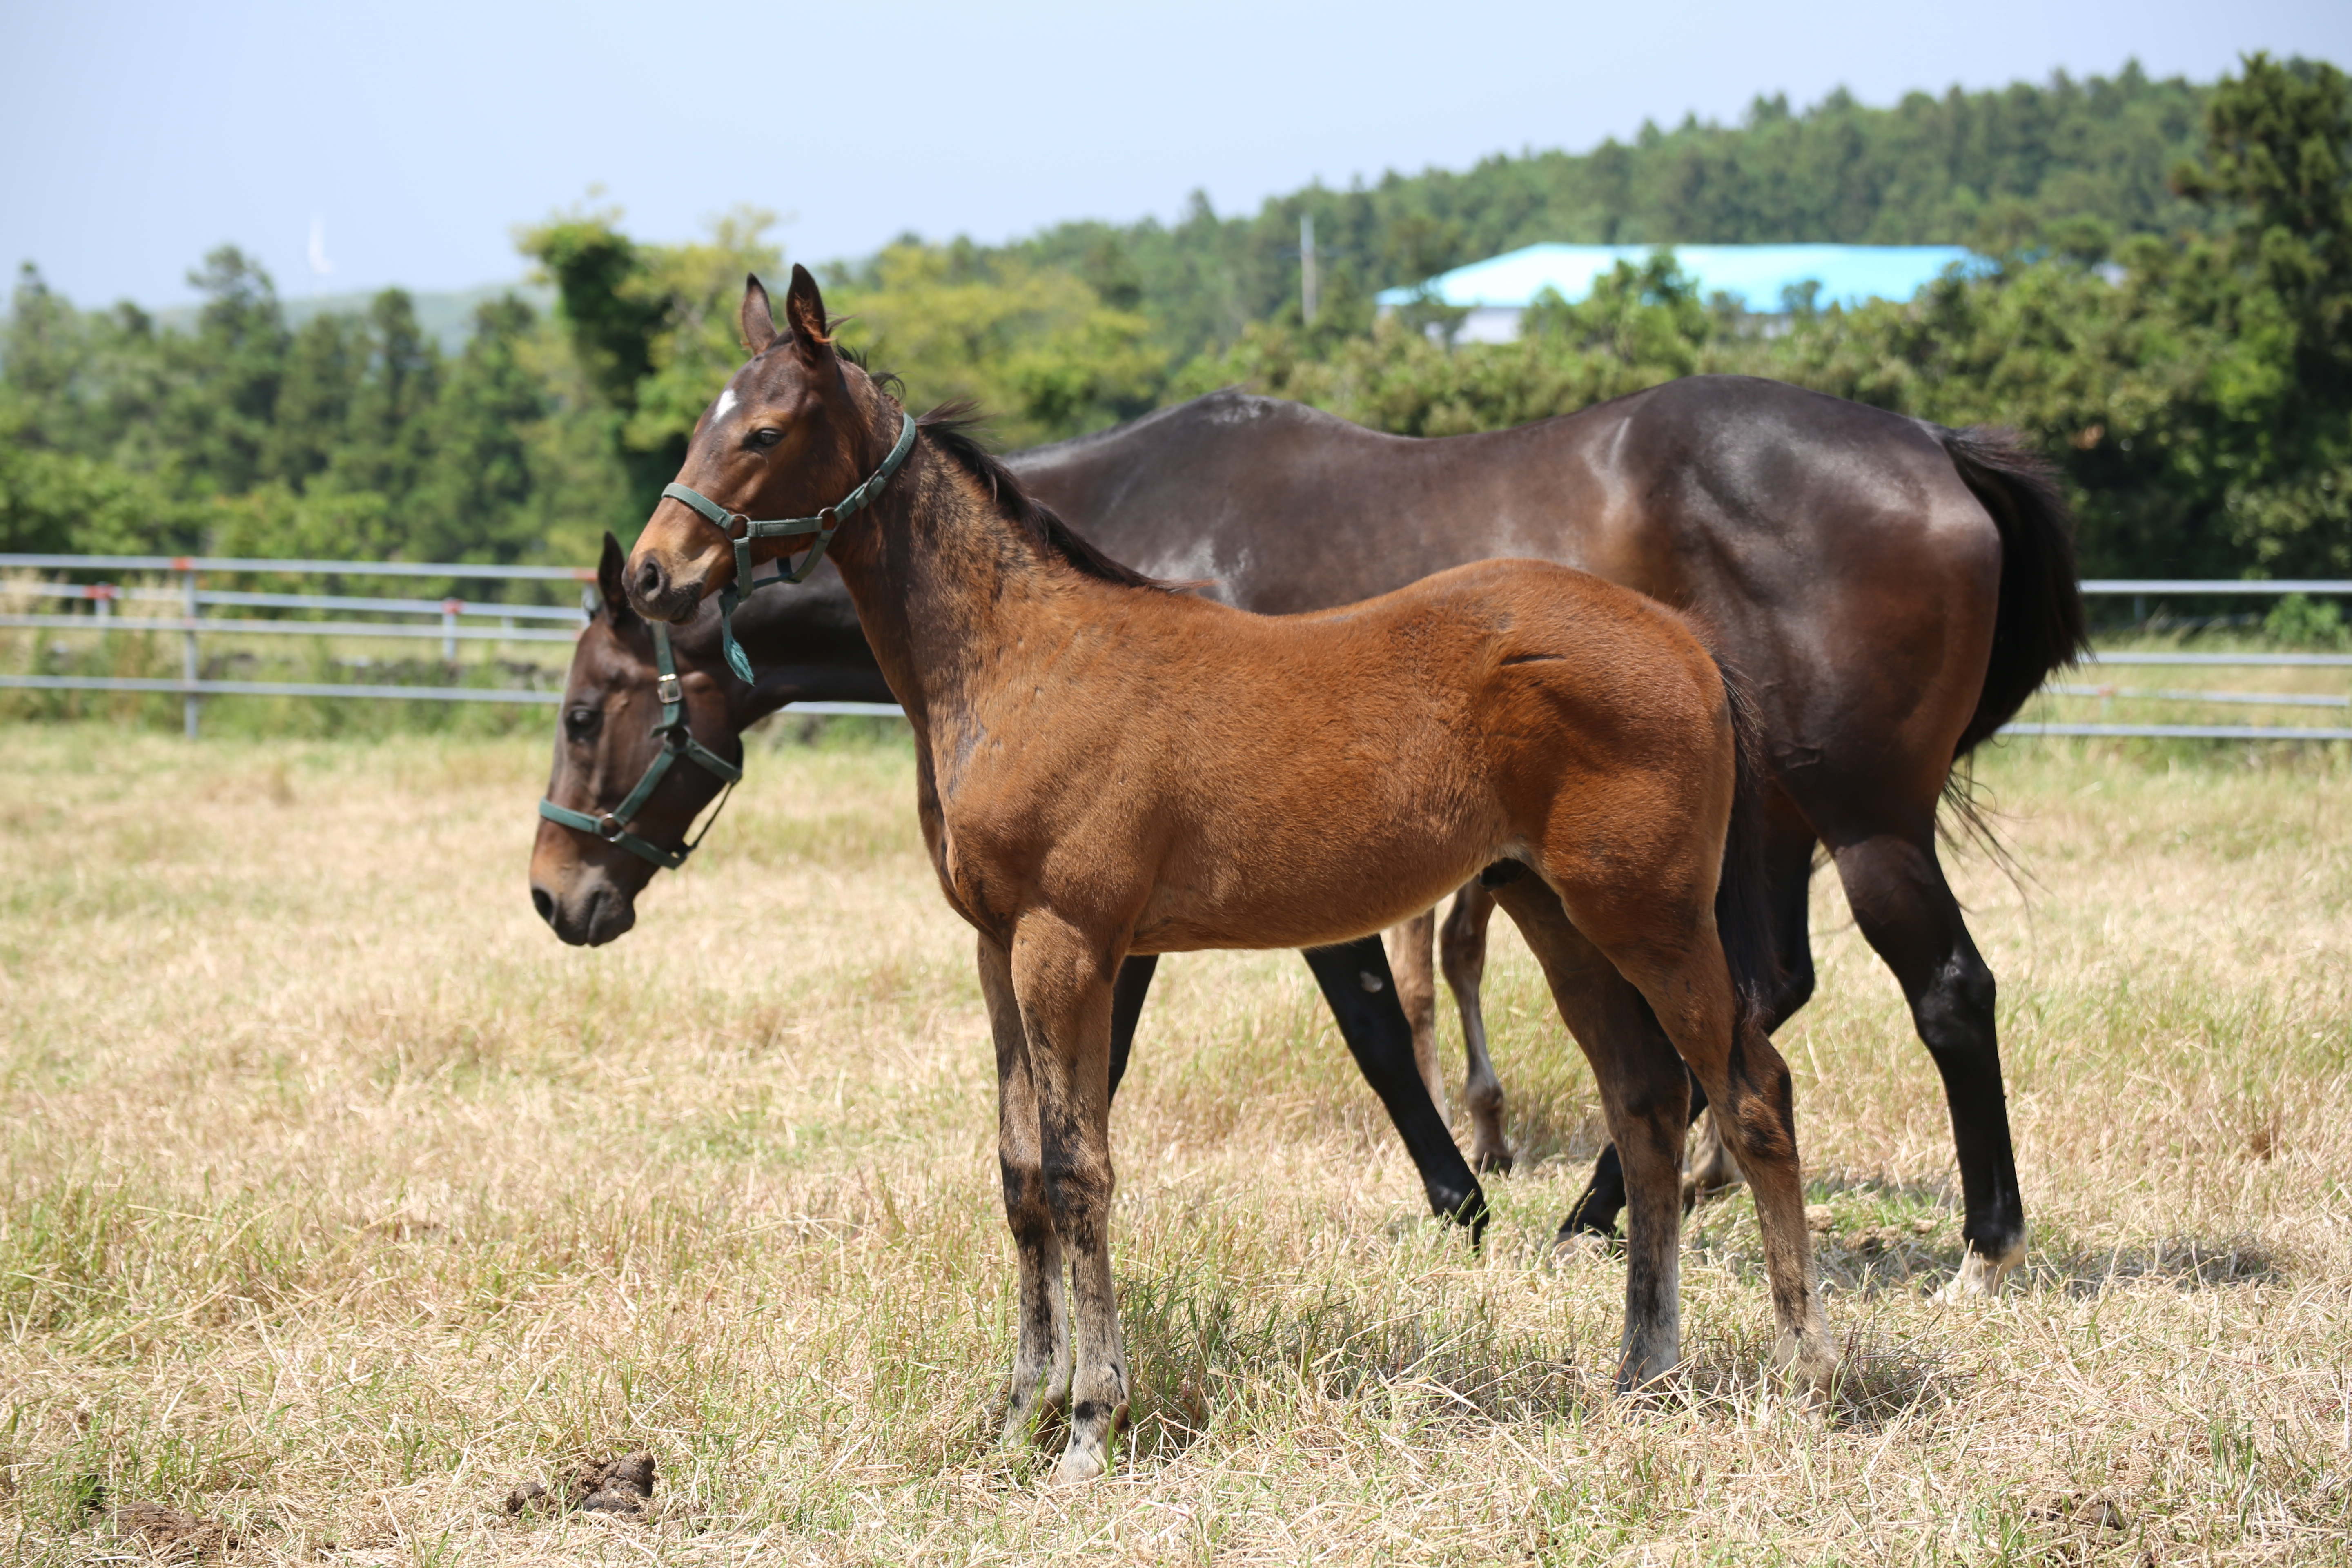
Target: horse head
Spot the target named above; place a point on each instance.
(791, 436)
(602, 832)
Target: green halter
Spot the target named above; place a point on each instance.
(821, 525)
(677, 741)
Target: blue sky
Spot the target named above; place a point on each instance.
(137, 136)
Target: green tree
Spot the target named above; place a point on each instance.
(58, 419)
(221, 400)
(652, 327)
(2279, 167)
(387, 446)
(2199, 404)
(475, 503)
(1035, 348)
(1640, 326)
(310, 421)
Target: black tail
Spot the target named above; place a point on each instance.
(2039, 625)
(1743, 913)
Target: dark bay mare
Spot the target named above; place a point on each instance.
(1893, 590)
(1105, 766)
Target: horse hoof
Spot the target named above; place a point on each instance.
(1696, 1193)
(1492, 1162)
(1980, 1276)
(1572, 1247)
(1810, 1366)
(1649, 1378)
(1079, 1465)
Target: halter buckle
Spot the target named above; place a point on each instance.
(668, 689)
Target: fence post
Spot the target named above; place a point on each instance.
(103, 595)
(449, 608)
(191, 667)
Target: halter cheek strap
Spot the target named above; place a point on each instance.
(822, 526)
(677, 741)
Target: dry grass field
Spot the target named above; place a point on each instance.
(341, 1199)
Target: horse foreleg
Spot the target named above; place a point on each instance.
(1416, 986)
(1643, 1094)
(1462, 954)
(1041, 1357)
(1355, 978)
(1064, 987)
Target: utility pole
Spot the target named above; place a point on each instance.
(1306, 267)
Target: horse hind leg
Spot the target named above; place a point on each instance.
(1907, 911)
(1462, 954)
(1127, 997)
(1408, 948)
(1643, 1096)
(1041, 1357)
(1788, 871)
(1789, 875)
(1747, 1084)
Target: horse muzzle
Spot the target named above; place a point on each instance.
(591, 911)
(658, 595)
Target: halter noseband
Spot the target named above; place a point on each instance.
(677, 741)
(822, 525)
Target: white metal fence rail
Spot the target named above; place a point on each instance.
(453, 621)
(2140, 591)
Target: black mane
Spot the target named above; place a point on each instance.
(952, 425)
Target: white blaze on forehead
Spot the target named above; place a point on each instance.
(726, 402)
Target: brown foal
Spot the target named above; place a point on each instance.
(1106, 767)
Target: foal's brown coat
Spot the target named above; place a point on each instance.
(1107, 768)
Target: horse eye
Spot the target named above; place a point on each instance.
(581, 723)
(765, 438)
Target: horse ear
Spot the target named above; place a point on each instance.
(759, 323)
(608, 584)
(804, 312)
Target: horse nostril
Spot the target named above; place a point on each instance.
(652, 581)
(544, 903)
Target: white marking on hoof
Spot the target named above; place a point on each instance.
(1802, 1407)
(1079, 1464)
(1815, 1364)
(1580, 1247)
(1018, 1426)
(1981, 1277)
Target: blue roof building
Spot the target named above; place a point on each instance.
(1496, 291)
